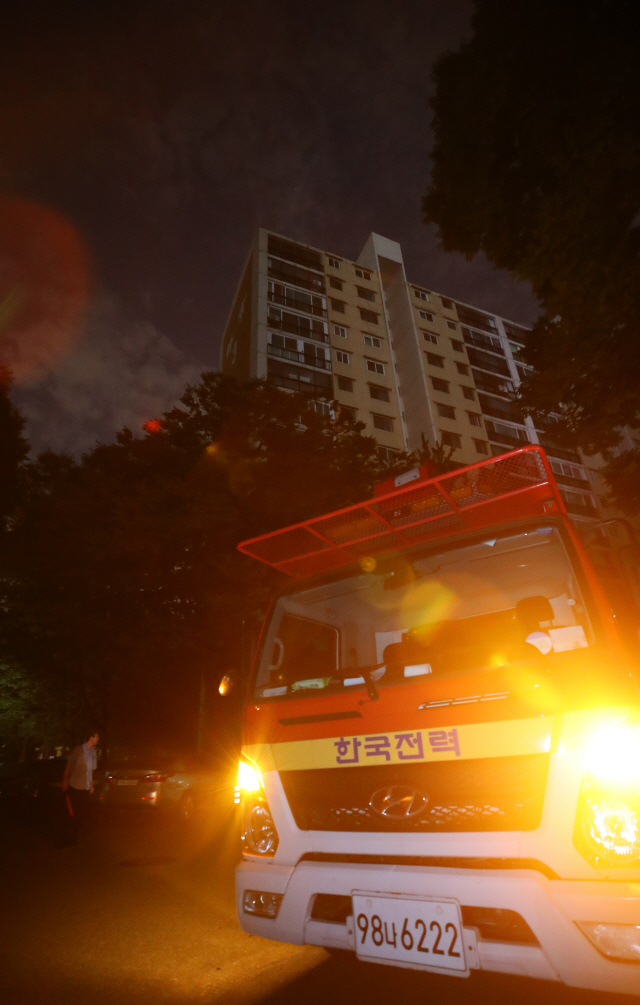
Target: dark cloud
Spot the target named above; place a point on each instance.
(168, 131)
(121, 373)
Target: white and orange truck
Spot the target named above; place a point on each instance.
(441, 741)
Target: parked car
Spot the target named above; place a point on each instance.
(180, 786)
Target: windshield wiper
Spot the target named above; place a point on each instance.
(364, 672)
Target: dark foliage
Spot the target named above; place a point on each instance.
(537, 163)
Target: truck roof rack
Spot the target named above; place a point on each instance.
(513, 486)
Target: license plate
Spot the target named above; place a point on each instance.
(410, 930)
(127, 781)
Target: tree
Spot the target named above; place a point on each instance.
(127, 589)
(13, 449)
(537, 163)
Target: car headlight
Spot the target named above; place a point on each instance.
(259, 835)
(607, 831)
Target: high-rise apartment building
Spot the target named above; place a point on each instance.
(402, 359)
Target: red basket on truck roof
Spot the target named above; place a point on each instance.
(513, 486)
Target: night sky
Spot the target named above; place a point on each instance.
(161, 134)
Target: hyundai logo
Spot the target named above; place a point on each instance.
(398, 802)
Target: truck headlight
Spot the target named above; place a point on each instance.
(607, 831)
(259, 835)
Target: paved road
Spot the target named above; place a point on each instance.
(142, 913)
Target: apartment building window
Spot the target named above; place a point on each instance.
(421, 295)
(446, 411)
(457, 346)
(379, 393)
(569, 473)
(371, 340)
(468, 393)
(440, 385)
(340, 331)
(447, 303)
(463, 369)
(426, 316)
(474, 418)
(482, 447)
(347, 412)
(343, 357)
(345, 384)
(365, 294)
(323, 408)
(335, 284)
(451, 324)
(383, 422)
(388, 454)
(363, 274)
(283, 342)
(434, 360)
(430, 337)
(334, 263)
(375, 366)
(337, 306)
(451, 439)
(369, 316)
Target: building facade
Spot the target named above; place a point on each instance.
(404, 360)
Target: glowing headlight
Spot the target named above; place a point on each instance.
(259, 834)
(612, 754)
(607, 831)
(249, 779)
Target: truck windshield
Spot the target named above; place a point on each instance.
(466, 609)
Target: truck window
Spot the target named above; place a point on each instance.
(501, 601)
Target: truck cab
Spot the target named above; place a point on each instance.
(441, 741)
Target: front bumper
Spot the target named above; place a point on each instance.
(551, 908)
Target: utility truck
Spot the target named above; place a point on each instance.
(441, 744)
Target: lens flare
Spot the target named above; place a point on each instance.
(615, 827)
(612, 754)
(249, 779)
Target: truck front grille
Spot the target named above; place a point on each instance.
(489, 794)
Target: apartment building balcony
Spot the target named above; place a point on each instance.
(284, 273)
(300, 357)
(576, 483)
(576, 509)
(506, 434)
(485, 361)
(298, 303)
(294, 324)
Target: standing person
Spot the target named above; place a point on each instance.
(77, 783)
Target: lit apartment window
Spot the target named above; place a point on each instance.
(373, 341)
(365, 294)
(379, 393)
(338, 306)
(343, 357)
(383, 422)
(421, 295)
(434, 360)
(374, 366)
(458, 346)
(363, 274)
(451, 439)
(426, 316)
(340, 331)
(463, 369)
(334, 263)
(446, 411)
(451, 324)
(474, 418)
(482, 447)
(345, 383)
(469, 393)
(430, 337)
(335, 284)
(440, 385)
(447, 303)
(369, 316)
